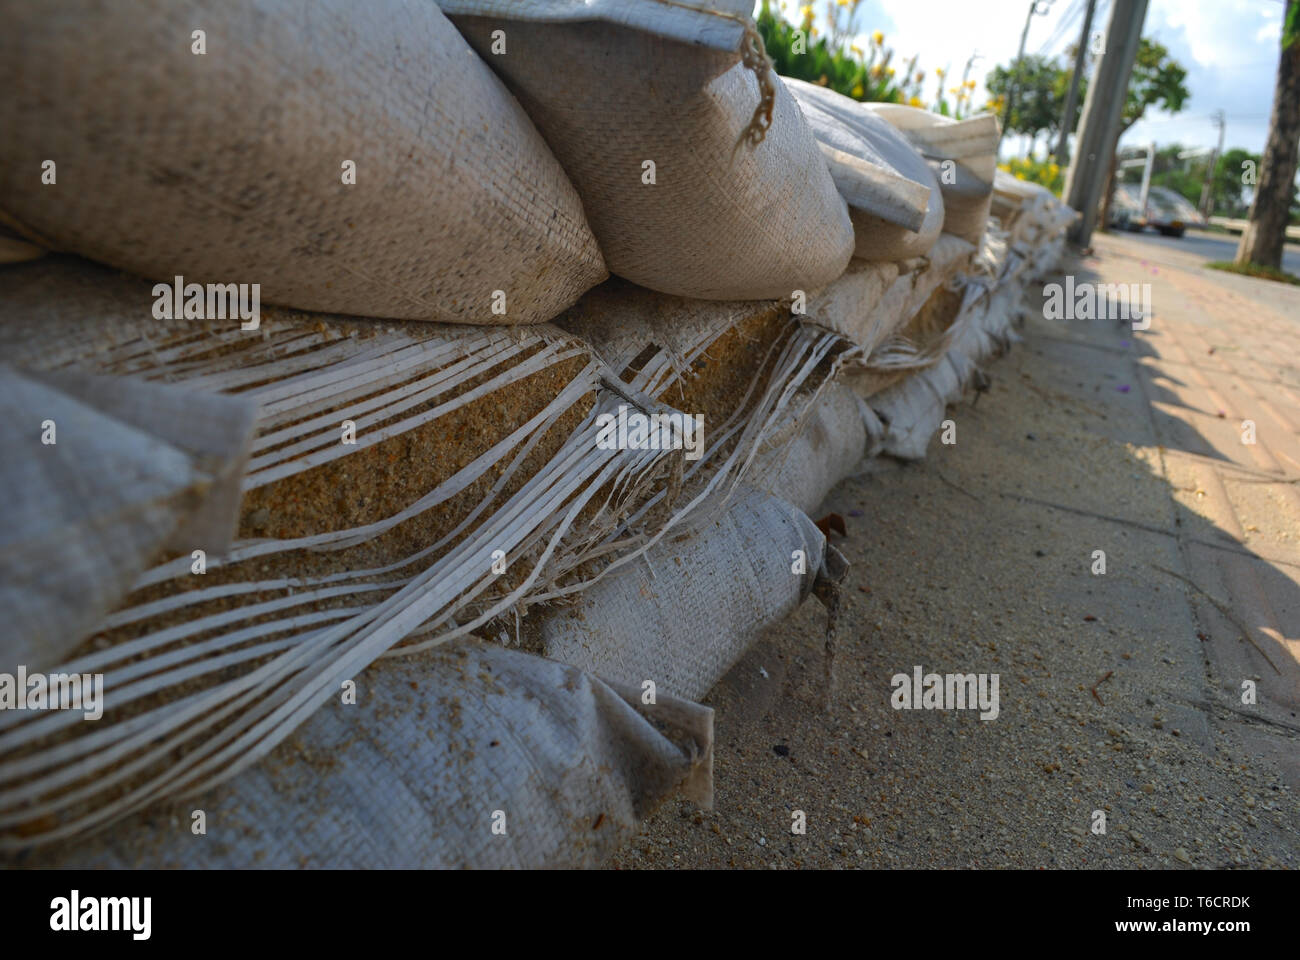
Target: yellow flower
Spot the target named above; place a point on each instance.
(914, 102)
(890, 72)
(877, 38)
(939, 72)
(842, 3)
(954, 90)
(813, 32)
(853, 47)
(876, 71)
(857, 90)
(920, 75)
(970, 84)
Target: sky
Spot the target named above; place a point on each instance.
(1230, 49)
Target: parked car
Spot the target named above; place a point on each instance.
(1166, 210)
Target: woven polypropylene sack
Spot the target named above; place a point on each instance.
(914, 409)
(842, 124)
(962, 154)
(648, 106)
(232, 165)
(813, 452)
(688, 611)
(871, 301)
(468, 755)
(103, 474)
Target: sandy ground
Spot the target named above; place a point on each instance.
(979, 560)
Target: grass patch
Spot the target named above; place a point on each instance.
(1255, 270)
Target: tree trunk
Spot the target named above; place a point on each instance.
(1108, 194)
(1265, 233)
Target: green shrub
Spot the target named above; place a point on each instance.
(797, 50)
(1045, 173)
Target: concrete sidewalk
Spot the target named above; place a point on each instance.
(1120, 693)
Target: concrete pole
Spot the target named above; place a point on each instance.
(1072, 97)
(1146, 179)
(1102, 109)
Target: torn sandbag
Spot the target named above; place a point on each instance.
(841, 125)
(962, 154)
(689, 608)
(944, 294)
(354, 158)
(870, 302)
(104, 474)
(345, 554)
(696, 168)
(466, 756)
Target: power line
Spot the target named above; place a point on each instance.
(1063, 27)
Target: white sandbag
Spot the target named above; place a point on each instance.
(811, 453)
(963, 156)
(866, 302)
(437, 749)
(233, 165)
(914, 409)
(358, 557)
(871, 301)
(683, 614)
(130, 468)
(842, 125)
(949, 256)
(696, 168)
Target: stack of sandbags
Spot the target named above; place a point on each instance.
(296, 546)
(902, 299)
(1034, 219)
(1024, 246)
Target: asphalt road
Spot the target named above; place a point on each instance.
(1211, 246)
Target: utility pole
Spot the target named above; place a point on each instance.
(1206, 199)
(1072, 97)
(1146, 178)
(1014, 75)
(1102, 109)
